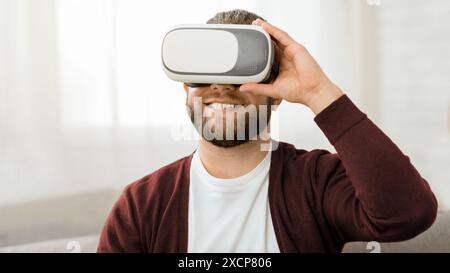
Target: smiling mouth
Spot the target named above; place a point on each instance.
(224, 106)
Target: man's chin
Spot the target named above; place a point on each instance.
(227, 143)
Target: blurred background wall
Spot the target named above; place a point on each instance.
(85, 106)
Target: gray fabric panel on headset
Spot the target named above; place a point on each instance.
(248, 54)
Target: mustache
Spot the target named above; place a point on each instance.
(234, 96)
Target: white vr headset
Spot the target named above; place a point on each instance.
(202, 54)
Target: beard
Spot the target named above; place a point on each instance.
(231, 128)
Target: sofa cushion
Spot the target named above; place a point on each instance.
(435, 239)
(85, 244)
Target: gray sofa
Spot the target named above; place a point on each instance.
(435, 239)
(46, 222)
(72, 224)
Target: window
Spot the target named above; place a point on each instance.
(110, 60)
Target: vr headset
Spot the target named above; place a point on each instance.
(203, 54)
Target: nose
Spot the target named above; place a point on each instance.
(223, 88)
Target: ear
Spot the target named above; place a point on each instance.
(186, 88)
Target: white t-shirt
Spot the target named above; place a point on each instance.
(230, 215)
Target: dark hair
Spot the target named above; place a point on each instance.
(235, 16)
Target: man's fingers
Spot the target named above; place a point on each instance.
(282, 37)
(259, 89)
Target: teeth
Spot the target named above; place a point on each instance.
(222, 106)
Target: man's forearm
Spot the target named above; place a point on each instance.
(392, 193)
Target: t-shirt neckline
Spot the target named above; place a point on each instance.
(230, 184)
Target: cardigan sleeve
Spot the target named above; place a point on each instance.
(120, 232)
(370, 189)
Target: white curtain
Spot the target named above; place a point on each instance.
(84, 103)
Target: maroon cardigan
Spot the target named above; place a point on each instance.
(318, 200)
